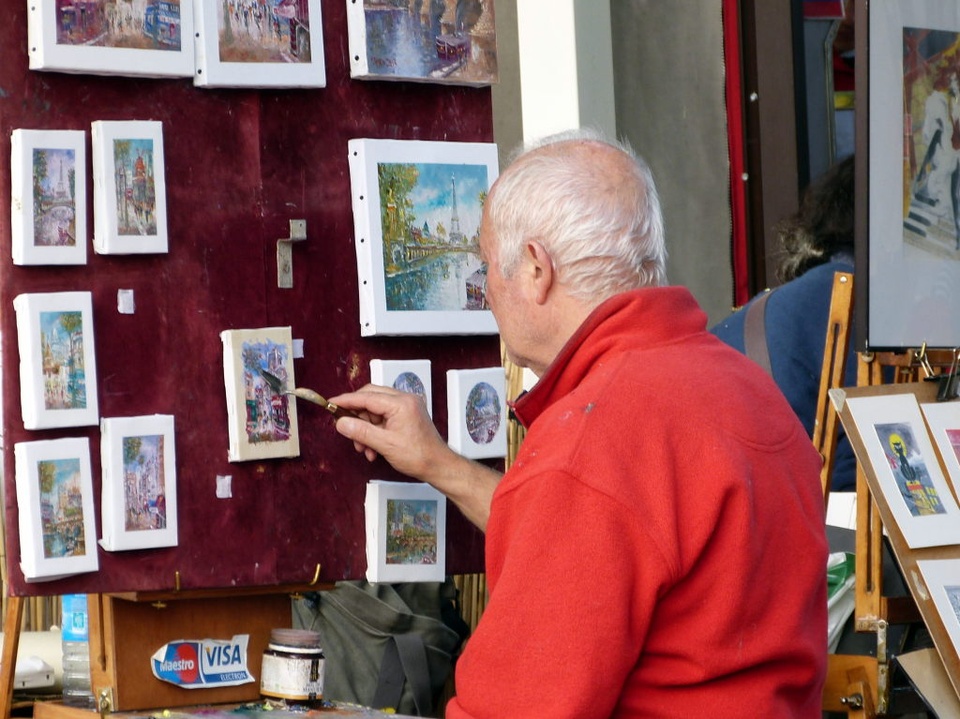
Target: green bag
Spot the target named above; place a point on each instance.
(387, 646)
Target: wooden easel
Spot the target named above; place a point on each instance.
(860, 685)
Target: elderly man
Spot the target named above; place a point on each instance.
(657, 549)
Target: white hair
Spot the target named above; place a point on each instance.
(602, 229)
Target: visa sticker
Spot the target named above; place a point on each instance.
(203, 663)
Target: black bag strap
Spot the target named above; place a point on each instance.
(404, 657)
(755, 333)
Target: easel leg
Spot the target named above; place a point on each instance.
(8, 660)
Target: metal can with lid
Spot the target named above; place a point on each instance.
(292, 666)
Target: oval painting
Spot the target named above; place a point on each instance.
(483, 413)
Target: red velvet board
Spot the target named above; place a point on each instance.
(240, 164)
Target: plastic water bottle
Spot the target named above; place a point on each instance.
(75, 635)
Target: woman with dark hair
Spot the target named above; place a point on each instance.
(817, 241)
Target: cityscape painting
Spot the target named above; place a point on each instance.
(49, 197)
(55, 502)
(138, 38)
(129, 192)
(139, 494)
(477, 412)
(443, 41)
(58, 384)
(406, 532)
(417, 207)
(411, 376)
(262, 418)
(259, 43)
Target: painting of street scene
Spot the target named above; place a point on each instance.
(411, 531)
(931, 163)
(61, 508)
(61, 349)
(134, 172)
(54, 197)
(144, 483)
(272, 31)
(410, 383)
(267, 410)
(451, 41)
(134, 24)
(909, 469)
(483, 412)
(430, 219)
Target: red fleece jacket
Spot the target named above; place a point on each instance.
(658, 547)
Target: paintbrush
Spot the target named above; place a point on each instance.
(277, 385)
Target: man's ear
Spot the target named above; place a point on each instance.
(542, 270)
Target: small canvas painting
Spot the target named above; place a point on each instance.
(129, 190)
(406, 532)
(412, 376)
(417, 208)
(442, 41)
(903, 460)
(139, 494)
(55, 506)
(58, 383)
(262, 419)
(49, 197)
(259, 43)
(477, 412)
(141, 38)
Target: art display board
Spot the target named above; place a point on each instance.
(138, 495)
(133, 39)
(406, 532)
(48, 181)
(55, 499)
(416, 215)
(396, 42)
(241, 166)
(909, 558)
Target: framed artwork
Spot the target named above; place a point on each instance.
(55, 508)
(942, 577)
(450, 43)
(416, 213)
(149, 38)
(129, 191)
(138, 500)
(406, 527)
(910, 269)
(477, 412)
(48, 180)
(262, 421)
(58, 369)
(943, 418)
(270, 43)
(411, 376)
(905, 464)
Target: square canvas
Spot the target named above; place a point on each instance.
(138, 500)
(477, 412)
(48, 181)
(942, 577)
(262, 423)
(411, 376)
(58, 369)
(907, 470)
(144, 38)
(268, 43)
(449, 42)
(55, 508)
(129, 191)
(416, 214)
(406, 532)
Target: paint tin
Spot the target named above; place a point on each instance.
(292, 666)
